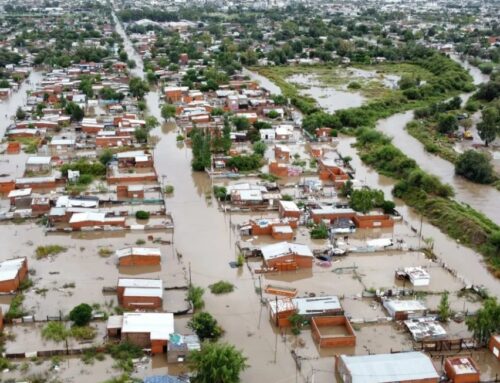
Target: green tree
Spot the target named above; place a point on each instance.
(217, 363)
(259, 148)
(241, 123)
(81, 314)
(489, 127)
(74, 111)
(20, 114)
(475, 166)
(365, 200)
(151, 122)
(195, 296)
(486, 321)
(447, 123)
(106, 156)
(138, 87)
(444, 307)
(205, 326)
(168, 111)
(141, 135)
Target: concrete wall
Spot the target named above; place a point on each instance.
(143, 260)
(146, 303)
(332, 341)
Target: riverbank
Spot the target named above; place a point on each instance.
(459, 221)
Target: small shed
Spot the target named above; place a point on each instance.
(462, 369)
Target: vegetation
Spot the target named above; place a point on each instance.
(123, 353)
(444, 309)
(486, 321)
(319, 231)
(205, 326)
(83, 332)
(48, 250)
(169, 189)
(195, 296)
(55, 331)
(16, 309)
(104, 252)
(220, 192)
(141, 214)
(245, 163)
(475, 166)
(201, 148)
(168, 111)
(81, 315)
(217, 363)
(297, 321)
(221, 287)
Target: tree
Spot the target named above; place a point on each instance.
(444, 308)
(447, 123)
(106, 156)
(168, 111)
(486, 321)
(151, 123)
(366, 199)
(20, 114)
(475, 166)
(138, 87)
(74, 111)
(217, 363)
(489, 127)
(205, 326)
(141, 135)
(241, 123)
(81, 314)
(259, 148)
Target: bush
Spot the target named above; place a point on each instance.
(220, 192)
(55, 331)
(83, 332)
(221, 287)
(81, 314)
(245, 163)
(195, 296)
(205, 326)
(319, 231)
(475, 166)
(169, 189)
(105, 252)
(45, 251)
(141, 214)
(16, 309)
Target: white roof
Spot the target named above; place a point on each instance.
(396, 305)
(282, 229)
(35, 180)
(140, 283)
(159, 325)
(250, 195)
(332, 210)
(381, 368)
(19, 193)
(143, 292)
(280, 249)
(130, 154)
(245, 186)
(289, 205)
(38, 160)
(138, 251)
(316, 305)
(87, 216)
(10, 268)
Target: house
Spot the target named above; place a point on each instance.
(404, 367)
(38, 164)
(333, 331)
(78, 221)
(143, 293)
(282, 153)
(494, 346)
(331, 213)
(17, 195)
(404, 309)
(416, 275)
(164, 379)
(372, 221)
(138, 256)
(426, 328)
(12, 274)
(285, 256)
(146, 330)
(130, 191)
(288, 209)
(329, 170)
(462, 369)
(308, 307)
(179, 346)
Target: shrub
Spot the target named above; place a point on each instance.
(83, 332)
(105, 252)
(319, 231)
(169, 189)
(195, 296)
(205, 326)
(81, 314)
(45, 251)
(55, 331)
(475, 166)
(16, 309)
(141, 214)
(221, 287)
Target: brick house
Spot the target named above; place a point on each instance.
(284, 256)
(138, 256)
(140, 293)
(12, 273)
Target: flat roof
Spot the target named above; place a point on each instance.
(397, 305)
(280, 249)
(138, 251)
(140, 282)
(381, 368)
(289, 205)
(159, 325)
(10, 268)
(143, 292)
(316, 305)
(19, 193)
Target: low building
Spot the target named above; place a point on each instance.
(494, 345)
(462, 369)
(404, 367)
(330, 213)
(427, 328)
(140, 293)
(285, 256)
(146, 330)
(38, 164)
(138, 256)
(12, 273)
(288, 209)
(179, 346)
(416, 275)
(404, 309)
(333, 331)
(79, 221)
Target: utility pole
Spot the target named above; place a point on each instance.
(190, 282)
(260, 287)
(420, 234)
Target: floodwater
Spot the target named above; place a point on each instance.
(327, 97)
(264, 82)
